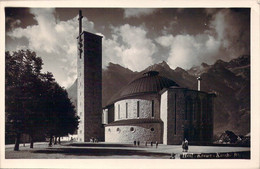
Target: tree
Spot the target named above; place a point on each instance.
(22, 83)
(35, 103)
(61, 118)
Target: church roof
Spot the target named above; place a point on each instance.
(150, 82)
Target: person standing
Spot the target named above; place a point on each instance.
(186, 145)
(183, 145)
(156, 143)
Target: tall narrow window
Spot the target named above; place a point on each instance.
(175, 125)
(194, 111)
(119, 111)
(188, 108)
(152, 108)
(126, 110)
(138, 108)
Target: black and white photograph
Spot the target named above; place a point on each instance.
(169, 83)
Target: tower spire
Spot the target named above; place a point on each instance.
(80, 22)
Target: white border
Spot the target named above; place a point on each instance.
(130, 163)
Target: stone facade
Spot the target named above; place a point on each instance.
(130, 133)
(128, 109)
(90, 87)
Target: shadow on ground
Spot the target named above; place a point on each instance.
(98, 152)
(97, 145)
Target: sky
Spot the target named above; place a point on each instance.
(135, 38)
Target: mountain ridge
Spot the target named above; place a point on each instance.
(229, 80)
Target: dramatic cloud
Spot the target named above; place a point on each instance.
(11, 23)
(135, 47)
(137, 12)
(226, 38)
(232, 32)
(57, 38)
(130, 47)
(187, 51)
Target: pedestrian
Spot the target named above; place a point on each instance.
(151, 143)
(145, 143)
(134, 143)
(138, 143)
(156, 143)
(172, 156)
(186, 145)
(183, 146)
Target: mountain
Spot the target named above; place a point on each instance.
(229, 80)
(114, 77)
(197, 70)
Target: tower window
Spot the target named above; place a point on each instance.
(138, 108)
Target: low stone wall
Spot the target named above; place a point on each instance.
(130, 133)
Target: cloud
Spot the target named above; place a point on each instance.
(137, 12)
(226, 38)
(11, 23)
(130, 47)
(232, 30)
(187, 51)
(54, 39)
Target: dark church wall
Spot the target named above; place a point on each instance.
(93, 86)
(187, 114)
(90, 87)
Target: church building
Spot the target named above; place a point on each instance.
(153, 108)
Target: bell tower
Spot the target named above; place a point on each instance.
(89, 87)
